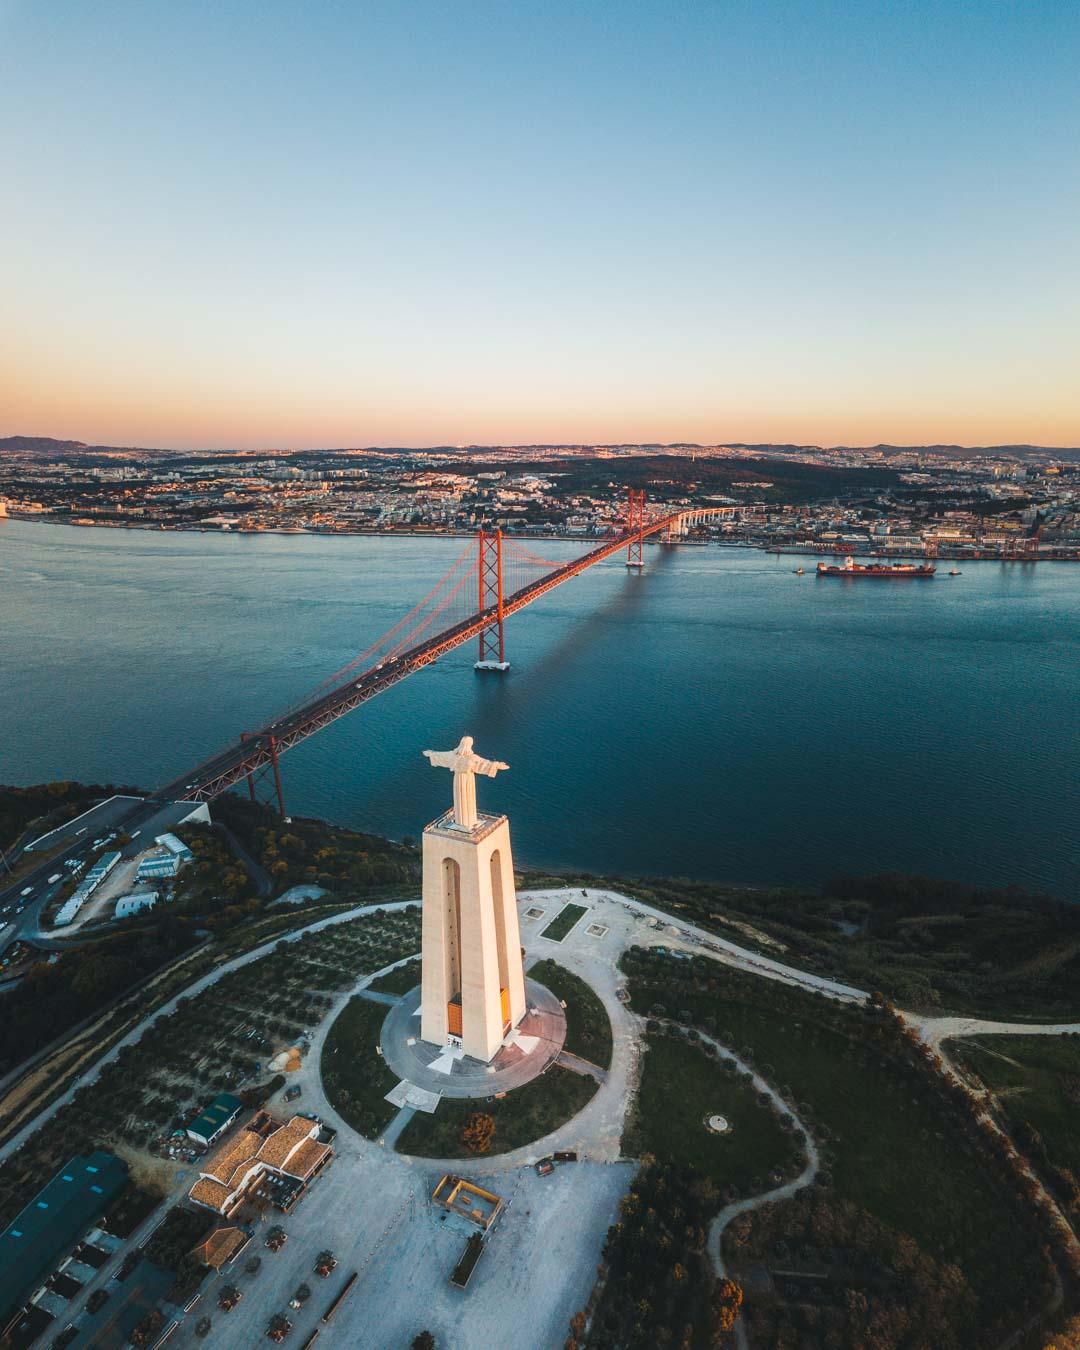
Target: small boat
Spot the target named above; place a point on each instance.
(954, 571)
(800, 571)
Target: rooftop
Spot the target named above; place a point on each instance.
(53, 1221)
(213, 1117)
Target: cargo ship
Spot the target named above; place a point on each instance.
(850, 568)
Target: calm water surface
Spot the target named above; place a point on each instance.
(716, 716)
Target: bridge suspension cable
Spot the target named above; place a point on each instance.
(488, 582)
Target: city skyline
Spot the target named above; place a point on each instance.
(504, 225)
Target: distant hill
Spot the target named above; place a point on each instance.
(47, 447)
(39, 444)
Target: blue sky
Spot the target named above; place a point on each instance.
(419, 222)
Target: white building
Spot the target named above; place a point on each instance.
(128, 905)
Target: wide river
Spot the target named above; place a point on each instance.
(716, 716)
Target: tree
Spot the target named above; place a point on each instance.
(424, 1341)
(253, 1264)
(202, 1328)
(727, 1299)
(1067, 1337)
(577, 1331)
(147, 1330)
(479, 1132)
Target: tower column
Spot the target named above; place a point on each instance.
(473, 976)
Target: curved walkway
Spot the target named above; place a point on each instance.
(714, 1244)
(595, 1133)
(604, 977)
(190, 991)
(677, 935)
(934, 1030)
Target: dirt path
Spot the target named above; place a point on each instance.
(714, 1243)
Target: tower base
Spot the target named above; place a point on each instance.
(473, 977)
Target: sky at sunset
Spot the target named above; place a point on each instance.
(450, 221)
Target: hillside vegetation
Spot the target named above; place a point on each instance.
(928, 945)
(893, 1143)
(314, 853)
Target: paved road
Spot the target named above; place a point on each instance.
(76, 1307)
(91, 1074)
(679, 936)
(374, 1207)
(134, 815)
(934, 1030)
(623, 917)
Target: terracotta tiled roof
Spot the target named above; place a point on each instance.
(289, 1148)
(211, 1193)
(239, 1150)
(221, 1246)
(306, 1158)
(276, 1150)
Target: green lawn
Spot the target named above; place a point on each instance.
(355, 1078)
(527, 1113)
(928, 944)
(1037, 1081)
(681, 1086)
(558, 928)
(889, 1144)
(588, 1029)
(398, 981)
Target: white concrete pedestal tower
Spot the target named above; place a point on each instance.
(473, 989)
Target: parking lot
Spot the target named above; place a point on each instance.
(374, 1211)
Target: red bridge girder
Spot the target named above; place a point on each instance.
(260, 750)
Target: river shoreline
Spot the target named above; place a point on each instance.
(781, 550)
(719, 716)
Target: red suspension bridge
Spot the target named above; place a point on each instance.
(491, 579)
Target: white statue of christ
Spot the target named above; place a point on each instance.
(465, 766)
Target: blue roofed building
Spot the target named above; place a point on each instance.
(52, 1223)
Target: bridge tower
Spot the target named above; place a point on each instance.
(264, 756)
(490, 574)
(635, 527)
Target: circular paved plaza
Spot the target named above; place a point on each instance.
(530, 1048)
